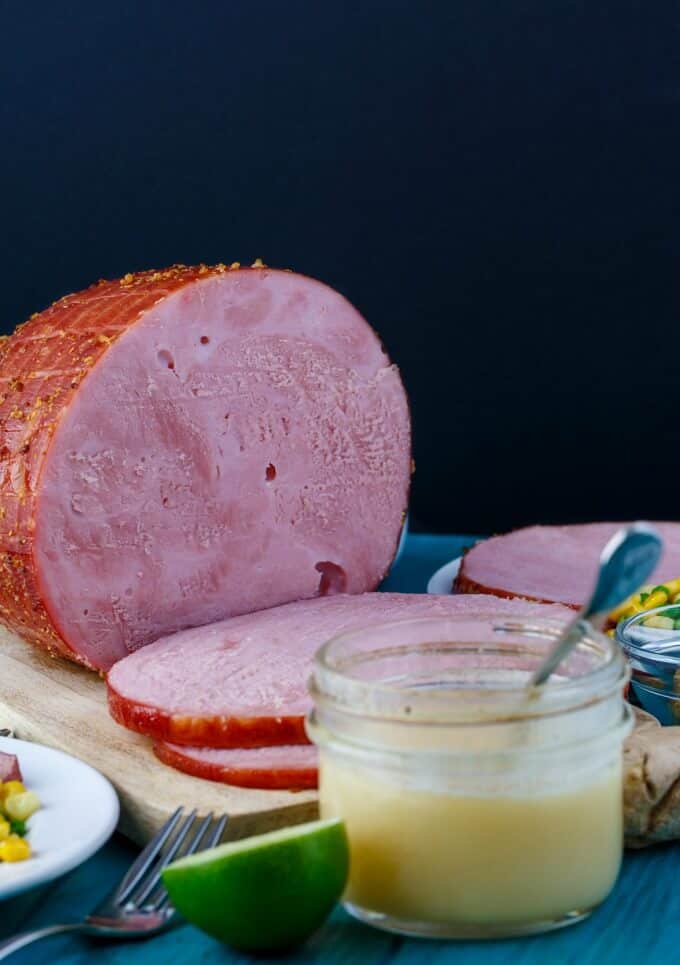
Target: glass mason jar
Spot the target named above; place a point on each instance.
(475, 808)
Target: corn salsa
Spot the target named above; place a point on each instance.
(17, 805)
(649, 598)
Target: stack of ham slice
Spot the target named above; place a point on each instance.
(556, 564)
(228, 701)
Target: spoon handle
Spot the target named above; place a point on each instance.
(627, 560)
(573, 632)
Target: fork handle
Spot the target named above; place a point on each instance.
(11, 945)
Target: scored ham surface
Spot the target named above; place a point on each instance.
(555, 564)
(179, 446)
(243, 682)
(290, 768)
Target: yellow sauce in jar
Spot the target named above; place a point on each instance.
(471, 860)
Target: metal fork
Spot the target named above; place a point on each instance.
(139, 907)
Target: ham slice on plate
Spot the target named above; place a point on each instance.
(243, 682)
(556, 564)
(180, 446)
(9, 767)
(290, 768)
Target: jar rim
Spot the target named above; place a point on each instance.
(416, 701)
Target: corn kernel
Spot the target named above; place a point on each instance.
(19, 807)
(657, 598)
(659, 622)
(627, 609)
(11, 787)
(14, 848)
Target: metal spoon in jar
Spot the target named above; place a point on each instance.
(626, 562)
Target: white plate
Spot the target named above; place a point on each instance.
(442, 581)
(79, 812)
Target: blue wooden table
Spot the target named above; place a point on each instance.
(640, 922)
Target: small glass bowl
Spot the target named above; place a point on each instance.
(654, 655)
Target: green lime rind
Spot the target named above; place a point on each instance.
(266, 893)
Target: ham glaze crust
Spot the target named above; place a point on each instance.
(291, 768)
(184, 445)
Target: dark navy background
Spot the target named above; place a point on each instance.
(494, 184)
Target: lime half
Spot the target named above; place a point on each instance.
(265, 893)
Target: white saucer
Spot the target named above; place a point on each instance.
(79, 813)
(442, 581)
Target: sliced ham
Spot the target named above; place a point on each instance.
(9, 767)
(556, 564)
(243, 682)
(180, 446)
(290, 768)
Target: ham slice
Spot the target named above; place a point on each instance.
(556, 564)
(9, 768)
(243, 682)
(180, 446)
(290, 768)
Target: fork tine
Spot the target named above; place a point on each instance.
(194, 845)
(216, 836)
(198, 837)
(146, 858)
(165, 859)
(212, 841)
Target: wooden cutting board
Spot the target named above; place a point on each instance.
(50, 701)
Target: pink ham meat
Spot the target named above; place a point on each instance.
(180, 446)
(9, 767)
(290, 768)
(243, 682)
(556, 564)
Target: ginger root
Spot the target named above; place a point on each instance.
(651, 783)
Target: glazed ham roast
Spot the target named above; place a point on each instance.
(554, 564)
(180, 446)
(243, 682)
